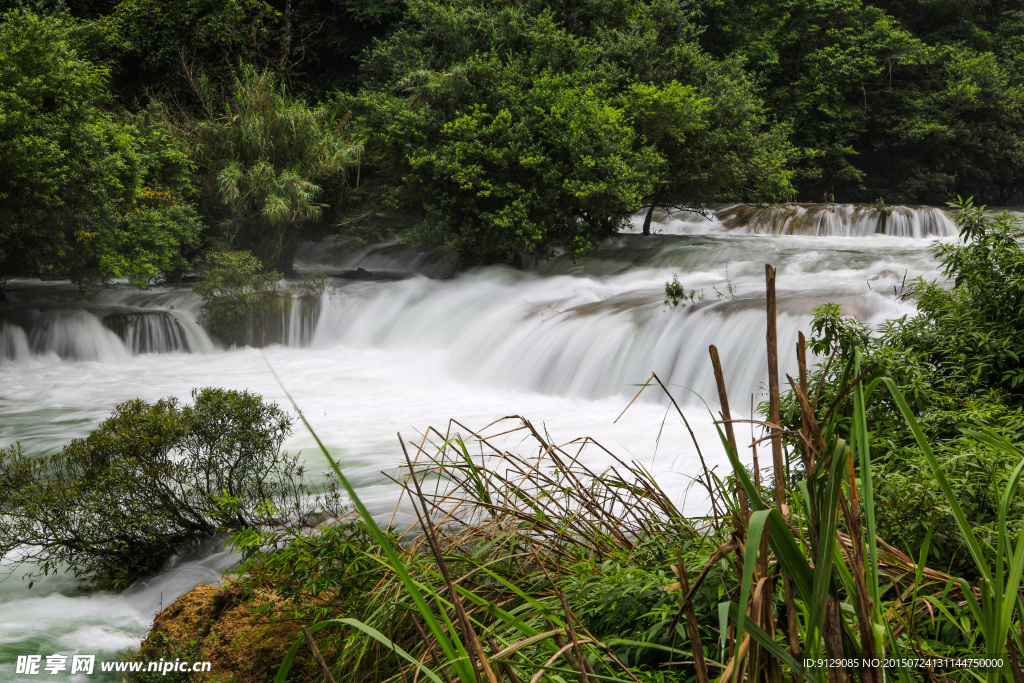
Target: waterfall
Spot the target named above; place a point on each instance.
(96, 335)
(549, 335)
(157, 332)
(403, 343)
(839, 220)
(75, 334)
(301, 318)
(13, 342)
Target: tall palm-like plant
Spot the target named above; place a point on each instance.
(272, 166)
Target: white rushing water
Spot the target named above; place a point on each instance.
(394, 349)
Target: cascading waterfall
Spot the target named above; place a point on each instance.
(840, 220)
(155, 331)
(80, 334)
(813, 220)
(75, 334)
(13, 342)
(402, 342)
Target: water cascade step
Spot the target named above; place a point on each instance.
(812, 220)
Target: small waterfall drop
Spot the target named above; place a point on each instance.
(75, 334)
(839, 220)
(157, 332)
(13, 342)
(112, 324)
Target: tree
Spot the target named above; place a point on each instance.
(151, 481)
(508, 127)
(164, 45)
(268, 164)
(953, 129)
(715, 141)
(312, 45)
(84, 193)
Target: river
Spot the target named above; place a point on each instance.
(397, 349)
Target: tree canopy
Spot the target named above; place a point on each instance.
(505, 127)
(913, 102)
(138, 135)
(85, 191)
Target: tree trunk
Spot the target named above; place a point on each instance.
(647, 220)
(286, 42)
(286, 256)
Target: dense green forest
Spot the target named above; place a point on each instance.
(138, 135)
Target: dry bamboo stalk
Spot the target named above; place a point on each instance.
(774, 401)
(781, 472)
(692, 627)
(317, 656)
(730, 434)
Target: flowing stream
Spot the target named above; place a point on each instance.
(403, 343)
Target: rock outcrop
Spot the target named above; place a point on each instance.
(243, 634)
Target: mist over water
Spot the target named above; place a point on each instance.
(404, 343)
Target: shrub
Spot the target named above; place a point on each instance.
(241, 304)
(244, 306)
(151, 481)
(957, 363)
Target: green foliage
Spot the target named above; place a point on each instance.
(313, 286)
(676, 294)
(554, 164)
(314, 45)
(518, 127)
(242, 305)
(151, 481)
(882, 97)
(627, 601)
(832, 552)
(163, 45)
(268, 164)
(84, 193)
(714, 140)
(966, 340)
(320, 575)
(956, 362)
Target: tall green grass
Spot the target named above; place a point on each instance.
(482, 583)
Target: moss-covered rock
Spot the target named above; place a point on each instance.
(243, 634)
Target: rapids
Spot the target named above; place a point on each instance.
(404, 342)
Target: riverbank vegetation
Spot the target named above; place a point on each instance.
(245, 306)
(137, 136)
(958, 363)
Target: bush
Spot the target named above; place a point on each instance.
(244, 306)
(151, 481)
(957, 363)
(241, 305)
